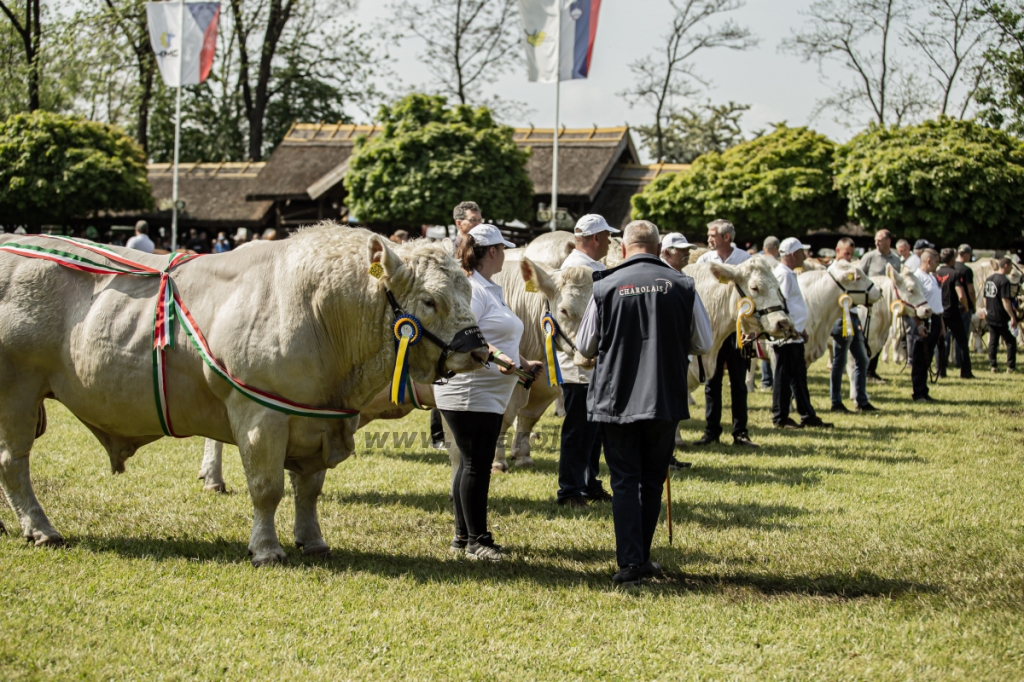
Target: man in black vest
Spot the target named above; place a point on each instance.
(644, 319)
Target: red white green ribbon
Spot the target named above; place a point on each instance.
(169, 308)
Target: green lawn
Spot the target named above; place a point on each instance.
(889, 548)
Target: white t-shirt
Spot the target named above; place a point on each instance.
(794, 297)
(932, 290)
(735, 258)
(140, 242)
(486, 389)
(571, 374)
(913, 262)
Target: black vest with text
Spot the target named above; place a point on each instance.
(645, 312)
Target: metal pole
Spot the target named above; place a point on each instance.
(177, 131)
(554, 153)
(668, 490)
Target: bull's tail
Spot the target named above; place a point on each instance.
(41, 421)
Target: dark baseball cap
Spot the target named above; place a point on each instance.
(923, 244)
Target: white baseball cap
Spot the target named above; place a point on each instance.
(791, 245)
(674, 240)
(592, 224)
(489, 235)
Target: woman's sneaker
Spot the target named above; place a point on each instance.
(483, 548)
(458, 544)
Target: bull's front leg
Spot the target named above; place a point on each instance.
(307, 524)
(211, 471)
(263, 450)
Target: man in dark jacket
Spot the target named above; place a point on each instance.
(643, 322)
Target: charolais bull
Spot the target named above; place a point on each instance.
(272, 348)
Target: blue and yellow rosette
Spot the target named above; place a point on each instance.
(408, 332)
(550, 327)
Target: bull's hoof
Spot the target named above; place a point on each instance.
(321, 551)
(216, 487)
(270, 558)
(499, 468)
(40, 539)
(524, 461)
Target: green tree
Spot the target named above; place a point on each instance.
(55, 167)
(1002, 98)
(429, 157)
(778, 184)
(694, 131)
(947, 180)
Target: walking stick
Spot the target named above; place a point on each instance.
(668, 490)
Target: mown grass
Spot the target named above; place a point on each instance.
(889, 548)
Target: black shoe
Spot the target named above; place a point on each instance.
(839, 407)
(484, 549)
(867, 407)
(925, 399)
(438, 444)
(817, 423)
(576, 502)
(967, 376)
(601, 495)
(707, 439)
(874, 378)
(744, 440)
(652, 569)
(787, 423)
(677, 465)
(458, 544)
(630, 575)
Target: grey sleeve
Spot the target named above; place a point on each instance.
(586, 337)
(700, 328)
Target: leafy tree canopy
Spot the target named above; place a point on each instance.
(778, 184)
(429, 157)
(55, 167)
(946, 180)
(694, 131)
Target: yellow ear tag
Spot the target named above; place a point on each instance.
(850, 276)
(531, 286)
(723, 280)
(376, 270)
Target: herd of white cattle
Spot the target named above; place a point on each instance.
(304, 319)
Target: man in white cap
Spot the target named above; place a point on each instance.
(790, 367)
(675, 251)
(721, 234)
(580, 450)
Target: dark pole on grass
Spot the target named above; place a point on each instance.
(668, 491)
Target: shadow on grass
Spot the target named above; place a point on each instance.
(751, 475)
(544, 568)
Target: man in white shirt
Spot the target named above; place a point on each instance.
(721, 234)
(923, 336)
(675, 251)
(854, 345)
(911, 260)
(580, 452)
(790, 367)
(141, 240)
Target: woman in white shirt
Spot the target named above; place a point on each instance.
(473, 403)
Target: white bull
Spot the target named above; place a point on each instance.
(821, 290)
(301, 319)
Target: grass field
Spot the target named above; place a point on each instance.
(889, 548)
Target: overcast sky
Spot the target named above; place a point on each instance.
(779, 86)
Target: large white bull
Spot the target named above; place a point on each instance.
(821, 290)
(301, 319)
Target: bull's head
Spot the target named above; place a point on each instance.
(853, 281)
(754, 278)
(910, 292)
(567, 293)
(428, 283)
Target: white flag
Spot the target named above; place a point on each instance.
(554, 44)
(184, 52)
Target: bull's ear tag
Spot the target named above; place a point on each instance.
(531, 286)
(376, 270)
(723, 280)
(850, 276)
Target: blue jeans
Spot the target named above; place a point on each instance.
(766, 374)
(858, 349)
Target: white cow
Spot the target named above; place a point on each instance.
(301, 319)
(821, 290)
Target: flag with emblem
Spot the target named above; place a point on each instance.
(184, 39)
(559, 38)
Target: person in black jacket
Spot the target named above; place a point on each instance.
(644, 320)
(1001, 316)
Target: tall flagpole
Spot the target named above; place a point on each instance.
(554, 154)
(177, 130)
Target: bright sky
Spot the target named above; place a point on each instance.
(779, 86)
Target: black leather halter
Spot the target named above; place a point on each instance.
(464, 340)
(853, 294)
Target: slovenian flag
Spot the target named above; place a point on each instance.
(559, 37)
(184, 53)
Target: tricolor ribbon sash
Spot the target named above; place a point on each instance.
(744, 309)
(408, 332)
(845, 302)
(550, 327)
(169, 308)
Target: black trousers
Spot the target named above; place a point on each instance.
(436, 427)
(791, 383)
(638, 455)
(955, 332)
(1001, 331)
(580, 455)
(921, 350)
(728, 356)
(476, 434)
